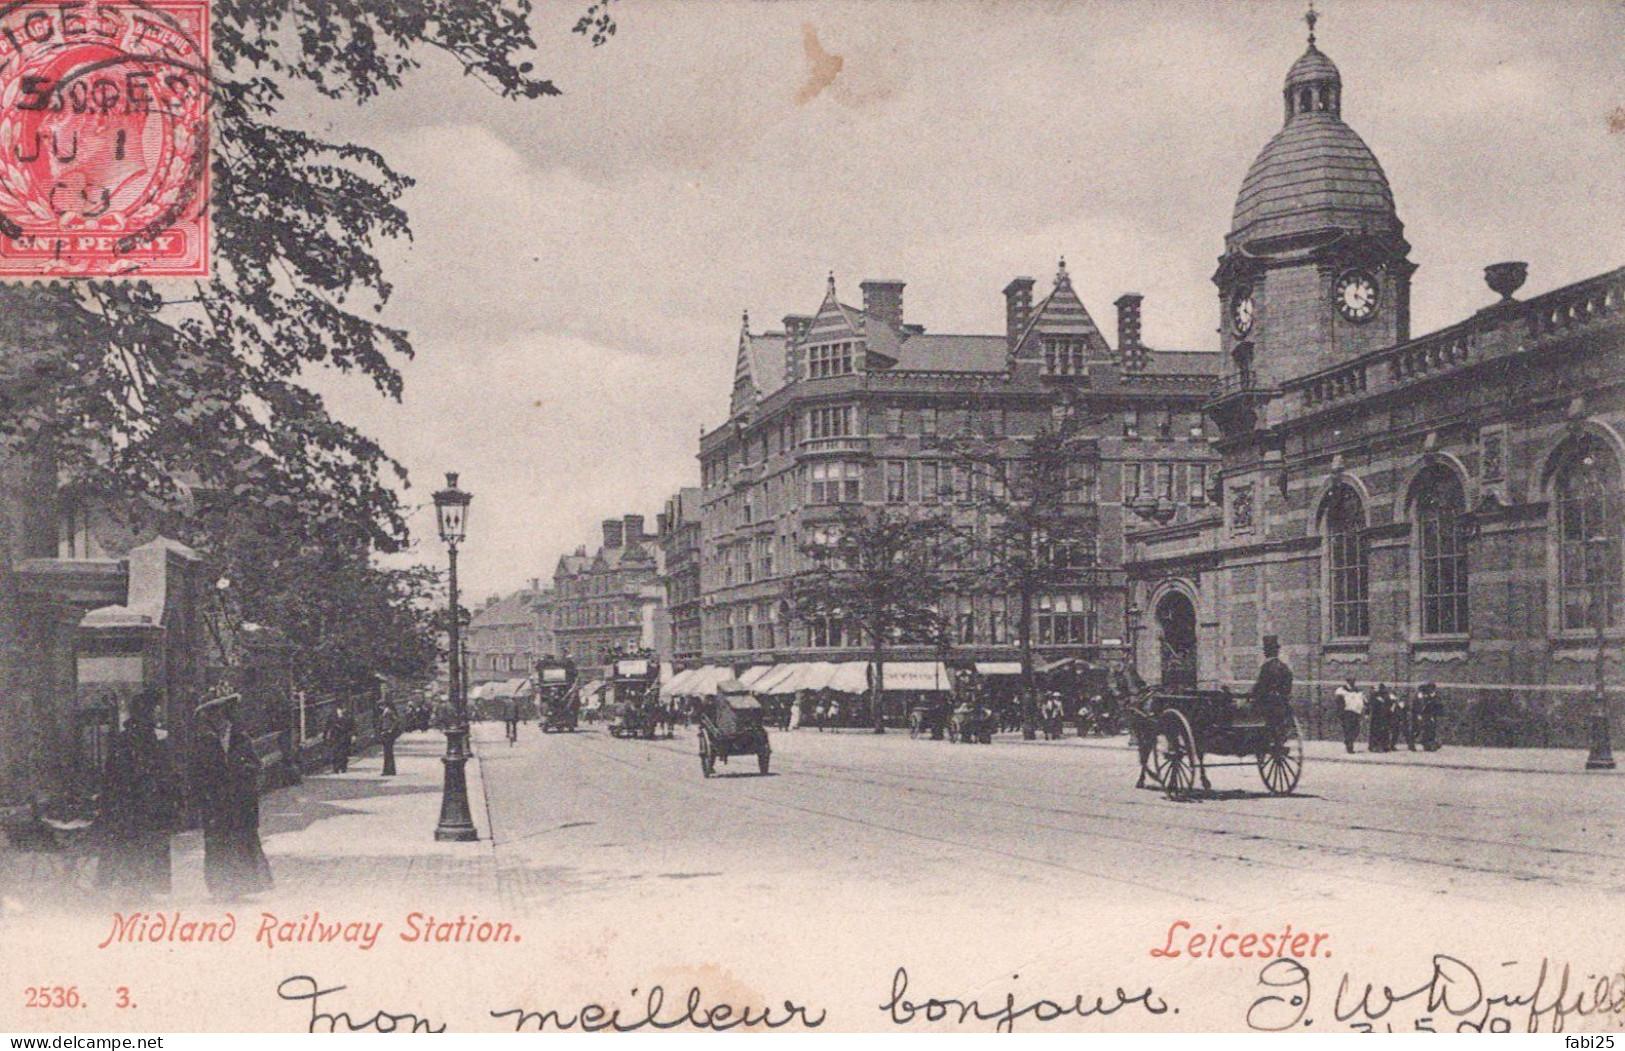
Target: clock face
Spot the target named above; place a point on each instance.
(1357, 296)
(1241, 313)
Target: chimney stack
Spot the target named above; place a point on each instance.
(1128, 322)
(795, 330)
(883, 300)
(612, 532)
(535, 583)
(1018, 308)
(634, 528)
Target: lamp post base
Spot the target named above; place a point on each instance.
(1602, 749)
(456, 821)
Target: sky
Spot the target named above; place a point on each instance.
(578, 265)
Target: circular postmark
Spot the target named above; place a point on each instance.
(103, 135)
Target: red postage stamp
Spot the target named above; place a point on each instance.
(104, 146)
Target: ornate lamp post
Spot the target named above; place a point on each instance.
(456, 822)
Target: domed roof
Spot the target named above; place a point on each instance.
(1316, 172)
(1311, 67)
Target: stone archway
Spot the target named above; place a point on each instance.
(1176, 634)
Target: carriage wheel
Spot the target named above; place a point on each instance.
(1281, 764)
(761, 761)
(708, 761)
(1176, 755)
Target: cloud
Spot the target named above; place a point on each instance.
(593, 252)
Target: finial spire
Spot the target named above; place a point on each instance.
(832, 282)
(745, 319)
(1060, 273)
(1311, 18)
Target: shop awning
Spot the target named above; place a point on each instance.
(774, 677)
(590, 692)
(754, 675)
(851, 677)
(701, 682)
(998, 667)
(678, 683)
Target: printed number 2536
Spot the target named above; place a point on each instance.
(52, 996)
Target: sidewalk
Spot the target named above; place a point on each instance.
(337, 835)
(332, 837)
(1503, 760)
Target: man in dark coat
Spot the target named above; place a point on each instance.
(225, 789)
(138, 807)
(389, 728)
(1272, 692)
(340, 736)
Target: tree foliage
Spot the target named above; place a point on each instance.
(132, 387)
(182, 408)
(883, 573)
(1033, 533)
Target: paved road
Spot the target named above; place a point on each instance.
(592, 814)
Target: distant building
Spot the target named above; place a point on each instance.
(1444, 507)
(502, 640)
(855, 405)
(613, 601)
(680, 534)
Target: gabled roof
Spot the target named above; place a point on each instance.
(1062, 313)
(835, 320)
(570, 565)
(510, 609)
(758, 366)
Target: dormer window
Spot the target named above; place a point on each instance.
(1065, 357)
(829, 359)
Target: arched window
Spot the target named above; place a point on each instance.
(1348, 564)
(1441, 548)
(1589, 524)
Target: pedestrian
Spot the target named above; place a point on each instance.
(1272, 691)
(389, 728)
(1382, 708)
(138, 807)
(340, 735)
(1351, 707)
(224, 774)
(1051, 713)
(510, 718)
(1403, 721)
(1429, 711)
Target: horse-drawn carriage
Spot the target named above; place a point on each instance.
(1176, 731)
(635, 699)
(731, 725)
(557, 699)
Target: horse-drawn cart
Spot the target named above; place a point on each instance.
(1177, 731)
(731, 725)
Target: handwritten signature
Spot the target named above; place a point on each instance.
(1452, 995)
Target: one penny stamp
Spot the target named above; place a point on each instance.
(104, 145)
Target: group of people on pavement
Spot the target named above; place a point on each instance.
(1391, 715)
(142, 800)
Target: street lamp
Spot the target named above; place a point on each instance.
(456, 822)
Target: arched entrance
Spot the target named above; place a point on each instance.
(1176, 629)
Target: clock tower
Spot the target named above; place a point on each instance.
(1316, 268)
